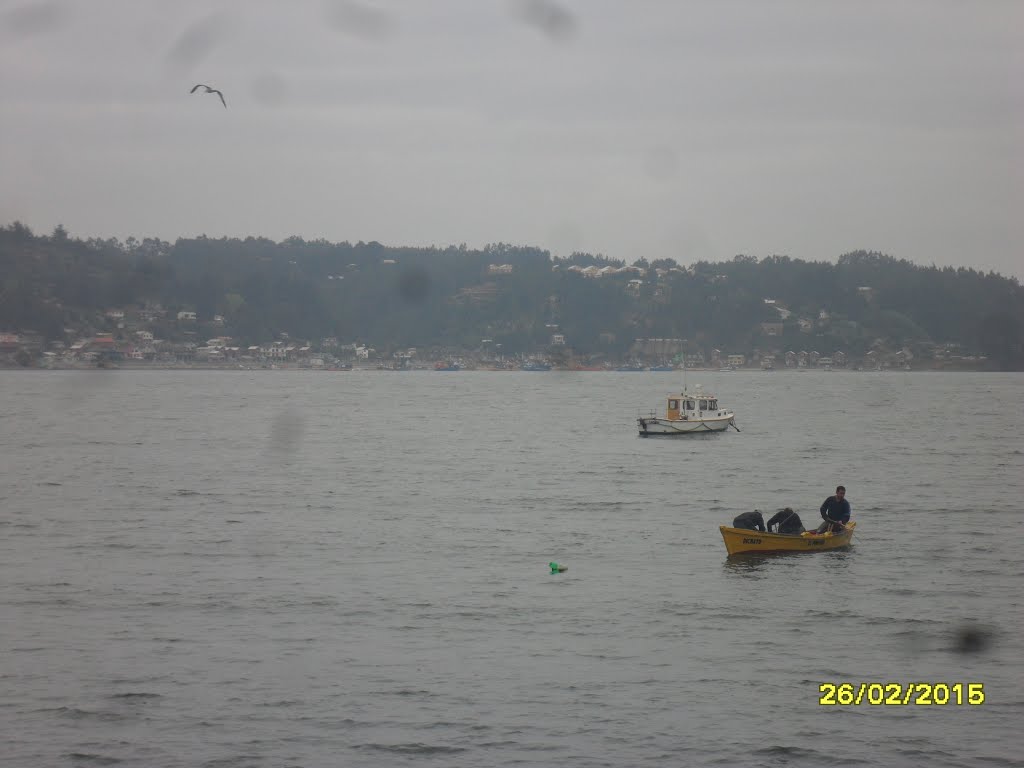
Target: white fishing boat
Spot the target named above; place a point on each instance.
(688, 413)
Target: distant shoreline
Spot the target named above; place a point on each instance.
(122, 367)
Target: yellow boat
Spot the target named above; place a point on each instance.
(739, 540)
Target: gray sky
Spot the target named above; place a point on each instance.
(662, 129)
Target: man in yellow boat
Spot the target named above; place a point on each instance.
(787, 521)
(749, 520)
(835, 512)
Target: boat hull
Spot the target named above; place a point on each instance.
(741, 540)
(655, 427)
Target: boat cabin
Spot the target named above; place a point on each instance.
(689, 405)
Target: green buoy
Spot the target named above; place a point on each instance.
(556, 568)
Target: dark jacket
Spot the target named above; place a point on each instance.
(750, 520)
(835, 510)
(787, 520)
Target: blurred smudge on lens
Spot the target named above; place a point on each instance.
(82, 386)
(197, 41)
(547, 16)
(972, 638)
(269, 89)
(661, 163)
(286, 431)
(359, 20)
(414, 285)
(565, 236)
(33, 19)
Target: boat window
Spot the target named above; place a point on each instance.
(673, 405)
(703, 405)
(689, 405)
(713, 405)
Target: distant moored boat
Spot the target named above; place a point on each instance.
(688, 413)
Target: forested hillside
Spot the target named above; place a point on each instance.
(61, 287)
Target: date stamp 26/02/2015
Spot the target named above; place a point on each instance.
(901, 694)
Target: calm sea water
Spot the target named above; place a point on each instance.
(271, 569)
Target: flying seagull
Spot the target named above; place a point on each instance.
(211, 90)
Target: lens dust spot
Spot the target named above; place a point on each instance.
(414, 285)
(359, 20)
(33, 19)
(972, 638)
(286, 431)
(549, 17)
(269, 89)
(197, 41)
(661, 163)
